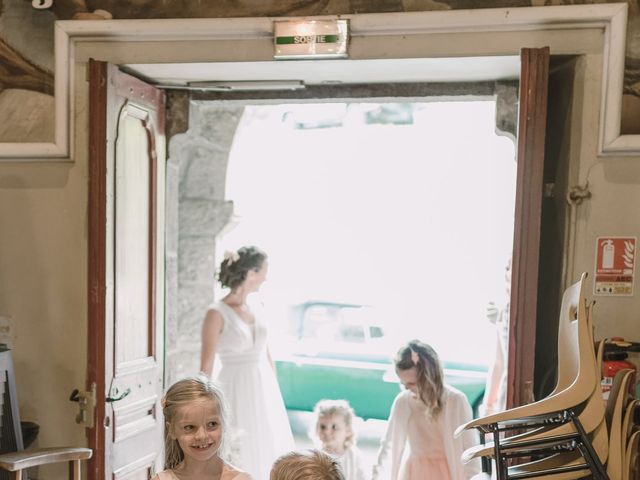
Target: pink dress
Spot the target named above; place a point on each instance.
(434, 452)
(427, 458)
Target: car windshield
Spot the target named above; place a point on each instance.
(330, 323)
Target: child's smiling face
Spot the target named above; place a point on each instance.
(198, 430)
(333, 432)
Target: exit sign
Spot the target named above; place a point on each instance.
(310, 39)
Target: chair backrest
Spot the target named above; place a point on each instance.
(630, 468)
(576, 359)
(10, 432)
(614, 414)
(593, 412)
(627, 420)
(578, 373)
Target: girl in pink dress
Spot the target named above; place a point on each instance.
(425, 415)
(196, 417)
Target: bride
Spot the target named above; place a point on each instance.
(259, 427)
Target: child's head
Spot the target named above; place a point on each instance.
(419, 369)
(196, 416)
(306, 465)
(334, 425)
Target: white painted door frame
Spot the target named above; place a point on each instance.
(596, 31)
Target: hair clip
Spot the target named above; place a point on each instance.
(231, 257)
(415, 358)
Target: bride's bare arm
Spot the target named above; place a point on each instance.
(211, 330)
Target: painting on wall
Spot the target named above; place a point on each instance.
(27, 90)
(631, 92)
(26, 78)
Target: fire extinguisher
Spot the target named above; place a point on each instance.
(615, 359)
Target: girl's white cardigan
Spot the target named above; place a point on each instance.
(456, 411)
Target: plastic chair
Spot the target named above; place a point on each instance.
(632, 435)
(591, 414)
(615, 411)
(631, 457)
(14, 460)
(576, 367)
(627, 419)
(578, 378)
(569, 465)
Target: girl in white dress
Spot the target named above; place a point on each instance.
(425, 416)
(232, 333)
(334, 430)
(196, 420)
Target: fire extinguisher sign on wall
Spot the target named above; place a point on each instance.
(615, 265)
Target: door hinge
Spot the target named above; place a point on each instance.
(578, 193)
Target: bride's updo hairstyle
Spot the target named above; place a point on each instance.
(236, 265)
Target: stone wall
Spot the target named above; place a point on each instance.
(196, 213)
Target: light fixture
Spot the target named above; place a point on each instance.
(239, 86)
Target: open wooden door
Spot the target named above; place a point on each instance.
(534, 74)
(126, 273)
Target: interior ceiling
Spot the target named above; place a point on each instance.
(315, 72)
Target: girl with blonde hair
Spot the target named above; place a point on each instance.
(196, 419)
(334, 431)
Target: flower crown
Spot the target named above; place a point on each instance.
(231, 257)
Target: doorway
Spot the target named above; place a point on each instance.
(381, 205)
(207, 288)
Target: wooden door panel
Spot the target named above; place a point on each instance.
(126, 324)
(532, 114)
(132, 232)
(140, 470)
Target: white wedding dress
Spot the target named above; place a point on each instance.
(259, 427)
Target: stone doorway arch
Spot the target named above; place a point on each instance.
(201, 135)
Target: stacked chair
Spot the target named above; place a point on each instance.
(623, 433)
(570, 433)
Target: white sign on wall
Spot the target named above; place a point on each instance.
(310, 39)
(615, 262)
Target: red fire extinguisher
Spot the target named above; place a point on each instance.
(614, 360)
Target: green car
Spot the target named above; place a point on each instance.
(340, 351)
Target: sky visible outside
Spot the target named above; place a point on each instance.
(415, 220)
